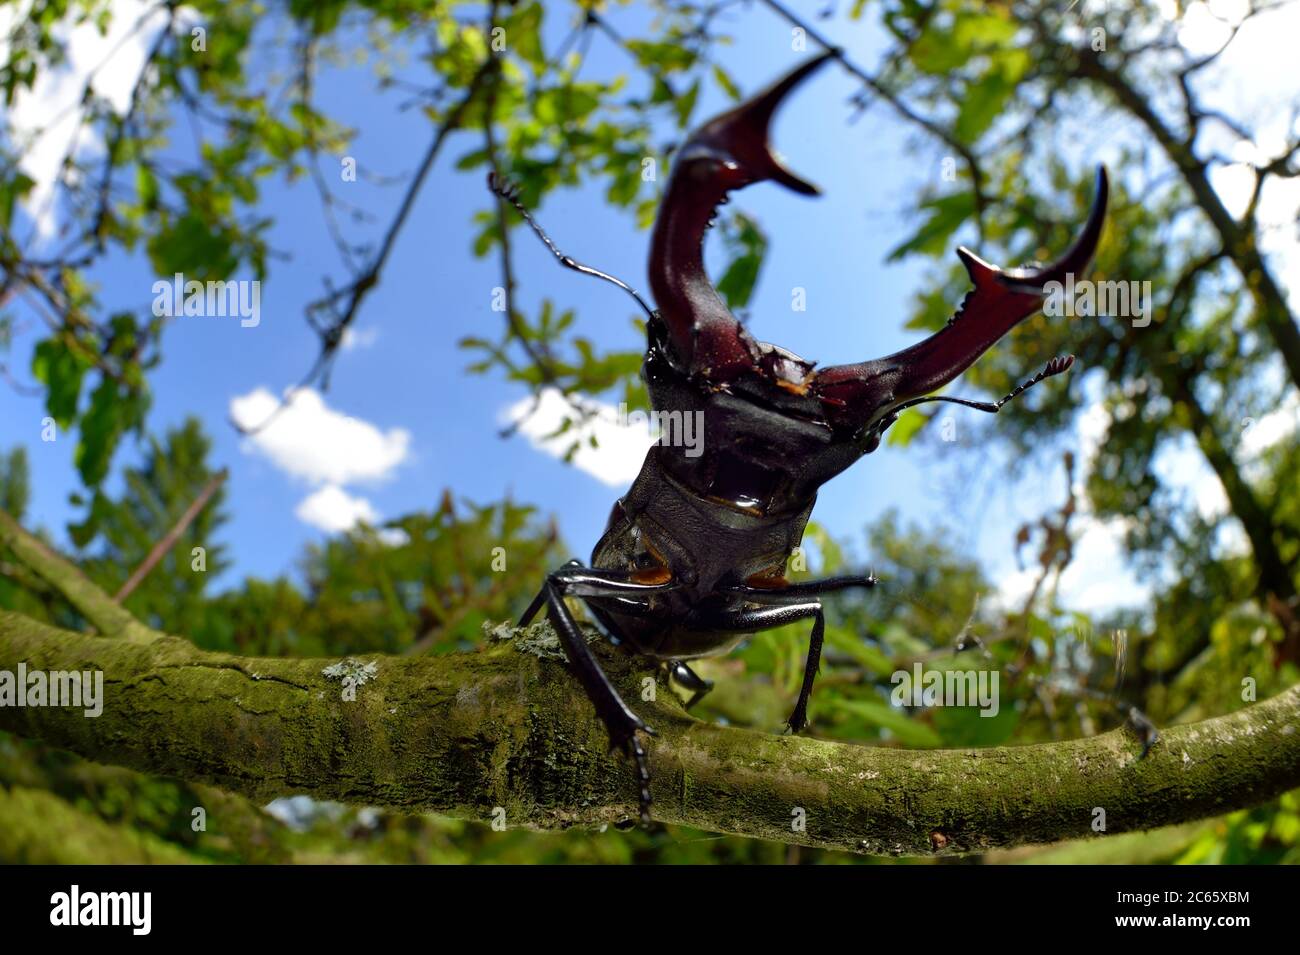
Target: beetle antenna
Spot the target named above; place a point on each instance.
(1054, 367)
(510, 193)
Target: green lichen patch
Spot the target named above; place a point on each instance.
(352, 671)
(538, 639)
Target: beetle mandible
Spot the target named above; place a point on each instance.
(693, 557)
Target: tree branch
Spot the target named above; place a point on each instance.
(91, 602)
(896, 102)
(355, 292)
(509, 727)
(168, 540)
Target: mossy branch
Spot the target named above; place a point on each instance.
(91, 602)
(508, 728)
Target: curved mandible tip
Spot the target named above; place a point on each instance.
(860, 394)
(740, 139)
(728, 152)
(1076, 258)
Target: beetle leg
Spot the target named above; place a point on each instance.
(1146, 730)
(794, 592)
(540, 599)
(766, 618)
(690, 680)
(621, 723)
(799, 718)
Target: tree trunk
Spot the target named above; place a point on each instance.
(1270, 302)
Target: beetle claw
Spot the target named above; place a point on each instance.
(626, 741)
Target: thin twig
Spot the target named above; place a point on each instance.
(169, 539)
(356, 291)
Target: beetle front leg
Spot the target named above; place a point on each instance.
(788, 593)
(620, 722)
(527, 617)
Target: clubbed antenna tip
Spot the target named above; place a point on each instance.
(1058, 365)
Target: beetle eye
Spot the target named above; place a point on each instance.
(646, 561)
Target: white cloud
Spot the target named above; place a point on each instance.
(1098, 578)
(333, 510)
(621, 448)
(44, 120)
(1093, 424)
(311, 441)
(1203, 29)
(1235, 184)
(359, 337)
(1246, 83)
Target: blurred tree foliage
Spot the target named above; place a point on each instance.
(1014, 100)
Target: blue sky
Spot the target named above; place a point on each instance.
(422, 424)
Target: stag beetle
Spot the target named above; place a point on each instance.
(693, 557)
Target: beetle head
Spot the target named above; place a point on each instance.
(767, 407)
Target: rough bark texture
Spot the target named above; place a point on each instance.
(508, 727)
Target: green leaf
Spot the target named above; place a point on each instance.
(963, 726)
(10, 192)
(685, 104)
(987, 97)
(946, 214)
(870, 658)
(668, 57)
(146, 186)
(472, 159)
(624, 187)
(907, 729)
(110, 415)
(195, 246)
(524, 34)
(750, 245)
(61, 370)
(728, 85)
(565, 104)
(941, 49)
(737, 283)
